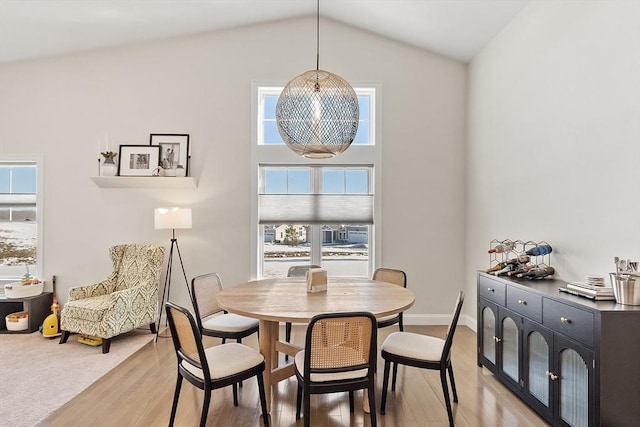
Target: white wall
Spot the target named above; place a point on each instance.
(61, 108)
(554, 137)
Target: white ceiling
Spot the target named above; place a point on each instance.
(37, 28)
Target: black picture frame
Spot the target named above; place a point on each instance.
(138, 160)
(174, 150)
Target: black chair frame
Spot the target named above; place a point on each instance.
(238, 336)
(398, 318)
(443, 365)
(306, 387)
(207, 384)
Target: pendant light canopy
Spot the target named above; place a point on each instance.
(317, 112)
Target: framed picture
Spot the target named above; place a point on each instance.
(174, 150)
(138, 160)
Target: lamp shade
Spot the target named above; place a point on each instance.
(172, 218)
(317, 114)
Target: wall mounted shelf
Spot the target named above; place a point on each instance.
(145, 182)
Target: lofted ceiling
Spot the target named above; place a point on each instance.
(30, 29)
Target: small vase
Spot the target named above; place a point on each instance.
(108, 168)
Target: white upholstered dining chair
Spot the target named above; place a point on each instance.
(422, 351)
(396, 277)
(212, 368)
(212, 320)
(340, 354)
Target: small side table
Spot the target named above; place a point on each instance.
(39, 307)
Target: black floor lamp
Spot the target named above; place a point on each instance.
(171, 218)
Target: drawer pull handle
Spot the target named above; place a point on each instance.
(523, 302)
(551, 375)
(496, 339)
(491, 289)
(565, 320)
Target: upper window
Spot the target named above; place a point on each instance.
(20, 219)
(268, 129)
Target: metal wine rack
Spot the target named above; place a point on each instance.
(519, 248)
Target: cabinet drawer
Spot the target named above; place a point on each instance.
(567, 320)
(491, 289)
(525, 303)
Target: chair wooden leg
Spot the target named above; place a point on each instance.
(351, 405)
(205, 407)
(64, 337)
(395, 375)
(152, 327)
(106, 343)
(298, 401)
(447, 399)
(453, 383)
(176, 396)
(307, 407)
(400, 323)
(263, 399)
(372, 402)
(385, 384)
(239, 341)
(235, 394)
(287, 333)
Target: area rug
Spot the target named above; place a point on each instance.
(38, 375)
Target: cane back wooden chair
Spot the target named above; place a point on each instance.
(340, 355)
(212, 368)
(396, 277)
(212, 320)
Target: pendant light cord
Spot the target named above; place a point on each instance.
(318, 36)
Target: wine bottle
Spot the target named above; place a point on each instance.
(502, 247)
(537, 273)
(523, 268)
(539, 250)
(520, 259)
(504, 271)
(498, 266)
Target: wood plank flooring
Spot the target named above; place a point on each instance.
(139, 392)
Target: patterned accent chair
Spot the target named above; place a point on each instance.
(126, 300)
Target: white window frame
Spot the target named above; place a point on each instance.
(280, 155)
(38, 160)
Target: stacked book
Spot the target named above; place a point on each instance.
(593, 288)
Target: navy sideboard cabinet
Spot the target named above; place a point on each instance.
(575, 361)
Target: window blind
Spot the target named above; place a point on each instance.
(315, 208)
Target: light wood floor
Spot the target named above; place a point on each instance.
(139, 392)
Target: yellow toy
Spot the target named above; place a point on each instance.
(89, 340)
(51, 324)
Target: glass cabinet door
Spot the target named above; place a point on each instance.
(538, 367)
(488, 334)
(537, 360)
(574, 387)
(510, 343)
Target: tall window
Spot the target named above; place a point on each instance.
(320, 212)
(20, 219)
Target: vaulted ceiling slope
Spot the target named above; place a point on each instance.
(30, 29)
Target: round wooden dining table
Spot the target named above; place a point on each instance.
(286, 299)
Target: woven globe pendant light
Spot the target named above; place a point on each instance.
(317, 112)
